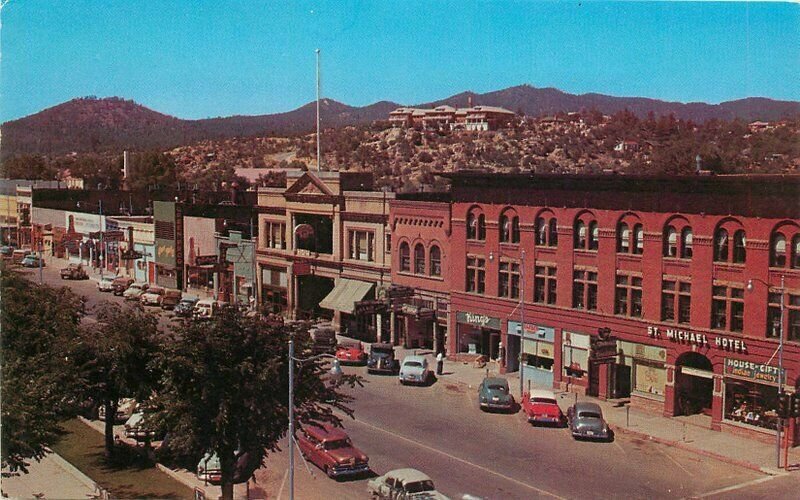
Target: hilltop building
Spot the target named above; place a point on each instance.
(450, 118)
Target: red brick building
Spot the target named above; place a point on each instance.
(664, 291)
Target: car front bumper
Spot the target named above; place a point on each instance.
(497, 405)
(349, 470)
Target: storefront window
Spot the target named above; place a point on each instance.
(575, 354)
(649, 378)
(751, 403)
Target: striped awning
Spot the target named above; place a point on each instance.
(345, 294)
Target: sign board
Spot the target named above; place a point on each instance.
(399, 292)
(754, 371)
(304, 231)
(604, 349)
(130, 255)
(698, 339)
(480, 320)
(367, 307)
(301, 268)
(205, 260)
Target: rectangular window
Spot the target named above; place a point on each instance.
(362, 245)
(388, 246)
(628, 296)
(276, 235)
(544, 285)
(676, 300)
(584, 290)
(476, 275)
(791, 320)
(508, 280)
(727, 308)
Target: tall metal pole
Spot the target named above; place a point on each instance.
(291, 420)
(41, 263)
(779, 427)
(522, 323)
(102, 248)
(319, 155)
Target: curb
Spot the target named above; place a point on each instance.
(62, 462)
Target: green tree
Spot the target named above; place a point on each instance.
(33, 167)
(40, 382)
(150, 169)
(117, 350)
(224, 390)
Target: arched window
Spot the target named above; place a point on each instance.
(435, 261)
(541, 231)
(638, 239)
(419, 259)
(623, 238)
(481, 227)
(739, 250)
(515, 229)
(721, 245)
(777, 253)
(405, 257)
(594, 236)
(580, 235)
(507, 228)
(472, 226)
(552, 232)
(796, 252)
(686, 243)
(671, 242)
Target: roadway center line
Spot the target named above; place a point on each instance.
(736, 486)
(453, 457)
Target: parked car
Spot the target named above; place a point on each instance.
(31, 260)
(74, 272)
(381, 359)
(19, 254)
(586, 421)
(125, 408)
(209, 468)
(135, 291)
(206, 308)
(541, 407)
(185, 307)
(415, 370)
(331, 450)
(121, 284)
(494, 394)
(404, 483)
(136, 428)
(152, 296)
(170, 299)
(6, 251)
(351, 353)
(106, 284)
(324, 339)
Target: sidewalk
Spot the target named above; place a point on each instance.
(52, 477)
(680, 432)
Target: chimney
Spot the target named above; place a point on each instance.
(126, 158)
(469, 101)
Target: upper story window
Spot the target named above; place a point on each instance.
(544, 284)
(678, 239)
(419, 259)
(546, 230)
(405, 257)
(784, 247)
(275, 234)
(584, 289)
(586, 233)
(435, 257)
(676, 301)
(727, 308)
(791, 319)
(509, 227)
(508, 280)
(476, 225)
(362, 245)
(726, 250)
(628, 296)
(476, 274)
(630, 235)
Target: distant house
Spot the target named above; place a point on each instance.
(627, 146)
(450, 118)
(758, 126)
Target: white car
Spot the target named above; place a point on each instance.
(106, 284)
(404, 483)
(415, 370)
(135, 291)
(125, 408)
(152, 296)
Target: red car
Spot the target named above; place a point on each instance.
(351, 354)
(541, 407)
(330, 449)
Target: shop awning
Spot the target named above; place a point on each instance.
(345, 294)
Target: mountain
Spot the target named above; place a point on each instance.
(113, 124)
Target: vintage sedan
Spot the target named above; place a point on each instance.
(135, 291)
(185, 307)
(105, 284)
(415, 370)
(494, 394)
(351, 353)
(125, 408)
(404, 483)
(136, 428)
(381, 359)
(121, 283)
(152, 296)
(541, 407)
(74, 272)
(586, 422)
(331, 450)
(31, 260)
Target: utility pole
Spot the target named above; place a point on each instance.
(319, 155)
(522, 325)
(102, 248)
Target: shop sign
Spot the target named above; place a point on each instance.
(753, 371)
(399, 292)
(480, 320)
(130, 255)
(368, 307)
(604, 349)
(205, 260)
(301, 268)
(698, 339)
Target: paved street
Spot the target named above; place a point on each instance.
(440, 431)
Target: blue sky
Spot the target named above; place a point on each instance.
(196, 59)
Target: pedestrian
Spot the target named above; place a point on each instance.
(439, 363)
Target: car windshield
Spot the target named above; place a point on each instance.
(500, 388)
(379, 354)
(419, 486)
(337, 444)
(589, 414)
(544, 400)
(415, 364)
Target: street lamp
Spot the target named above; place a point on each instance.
(782, 291)
(336, 374)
